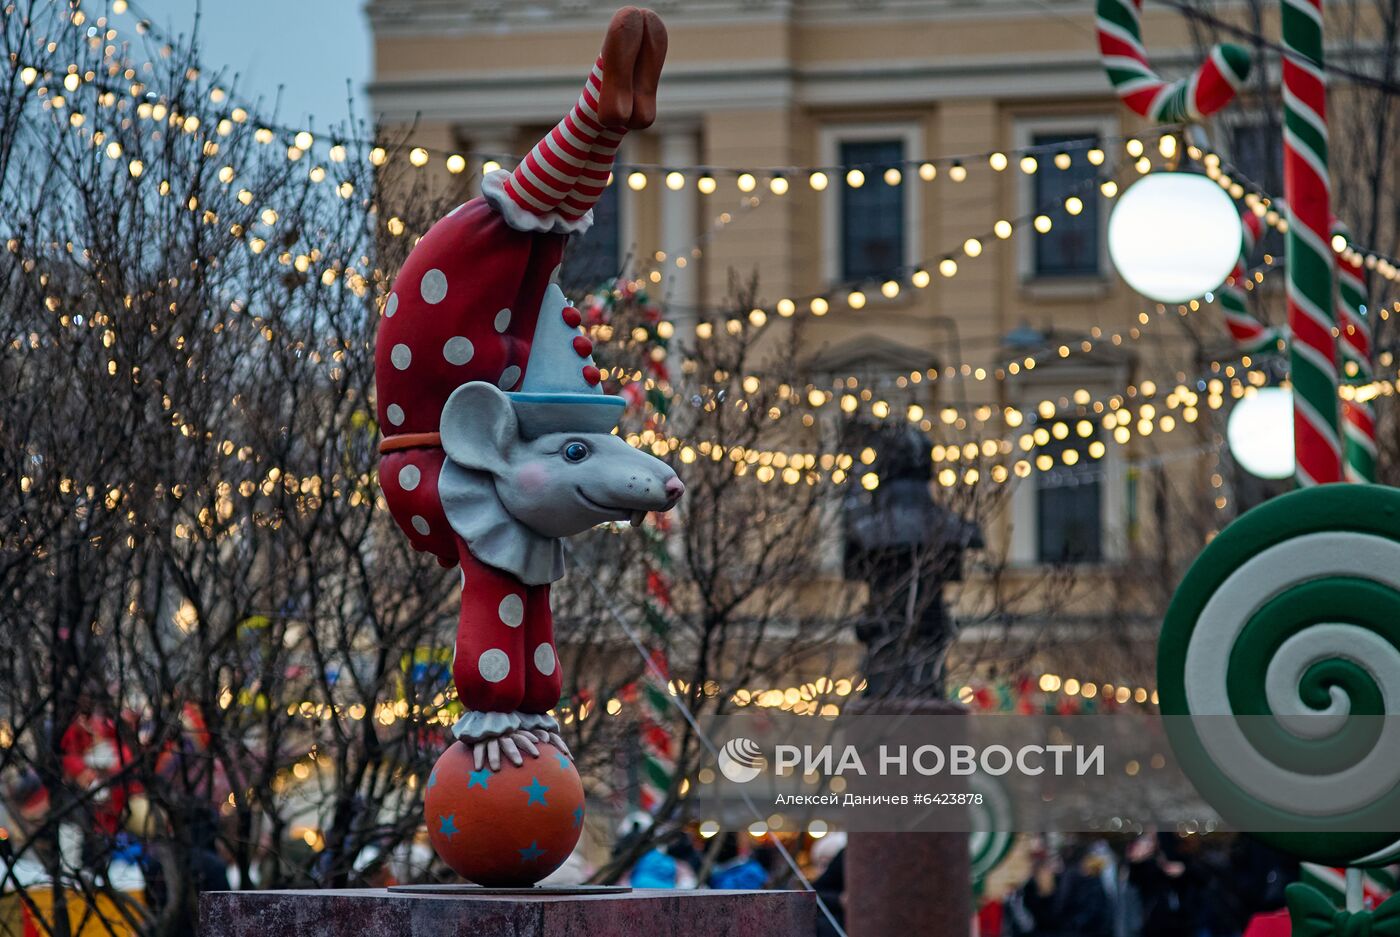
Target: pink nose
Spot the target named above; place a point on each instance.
(674, 489)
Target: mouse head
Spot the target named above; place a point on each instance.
(558, 483)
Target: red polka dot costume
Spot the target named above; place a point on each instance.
(466, 307)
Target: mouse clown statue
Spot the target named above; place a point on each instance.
(498, 443)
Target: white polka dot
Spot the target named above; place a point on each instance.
(420, 524)
(458, 350)
(401, 355)
(544, 659)
(509, 378)
(512, 610)
(502, 320)
(395, 414)
(392, 306)
(494, 665)
(433, 287)
(409, 476)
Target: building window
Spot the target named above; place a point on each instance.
(594, 257)
(872, 217)
(1069, 504)
(1071, 248)
(1256, 149)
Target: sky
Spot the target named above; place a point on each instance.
(307, 49)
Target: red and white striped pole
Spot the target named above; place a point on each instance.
(1307, 190)
(1354, 343)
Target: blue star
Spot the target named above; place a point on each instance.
(480, 779)
(578, 816)
(536, 792)
(531, 852)
(432, 780)
(449, 825)
(564, 762)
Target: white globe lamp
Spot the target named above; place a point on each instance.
(1174, 236)
(1260, 433)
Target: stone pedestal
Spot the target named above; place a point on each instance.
(373, 912)
(908, 883)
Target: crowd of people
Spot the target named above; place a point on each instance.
(1156, 885)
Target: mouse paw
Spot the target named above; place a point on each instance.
(497, 738)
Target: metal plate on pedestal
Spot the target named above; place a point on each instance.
(536, 891)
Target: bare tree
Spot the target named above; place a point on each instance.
(218, 643)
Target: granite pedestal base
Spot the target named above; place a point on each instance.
(374, 912)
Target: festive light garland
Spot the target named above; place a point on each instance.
(674, 177)
(303, 139)
(176, 119)
(818, 304)
(1250, 335)
(1254, 196)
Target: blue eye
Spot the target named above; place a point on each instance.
(575, 452)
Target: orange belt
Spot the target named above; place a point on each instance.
(409, 441)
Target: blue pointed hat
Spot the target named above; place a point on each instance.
(561, 390)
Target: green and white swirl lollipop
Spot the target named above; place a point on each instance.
(1285, 630)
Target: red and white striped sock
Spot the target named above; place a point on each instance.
(594, 177)
(561, 172)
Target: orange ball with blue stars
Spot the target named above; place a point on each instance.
(507, 828)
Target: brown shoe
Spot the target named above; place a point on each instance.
(647, 76)
(621, 49)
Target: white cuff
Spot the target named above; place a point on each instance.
(482, 726)
(493, 190)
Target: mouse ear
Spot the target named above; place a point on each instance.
(478, 427)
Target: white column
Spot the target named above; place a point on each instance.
(680, 148)
(495, 142)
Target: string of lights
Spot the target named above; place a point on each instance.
(638, 175)
(1254, 197)
(854, 293)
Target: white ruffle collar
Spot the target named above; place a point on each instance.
(495, 537)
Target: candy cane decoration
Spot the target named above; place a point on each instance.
(1354, 342)
(658, 767)
(993, 827)
(1277, 662)
(1209, 88)
(1252, 337)
(1307, 190)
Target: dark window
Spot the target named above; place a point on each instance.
(1071, 248)
(1069, 512)
(872, 216)
(594, 257)
(1257, 151)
